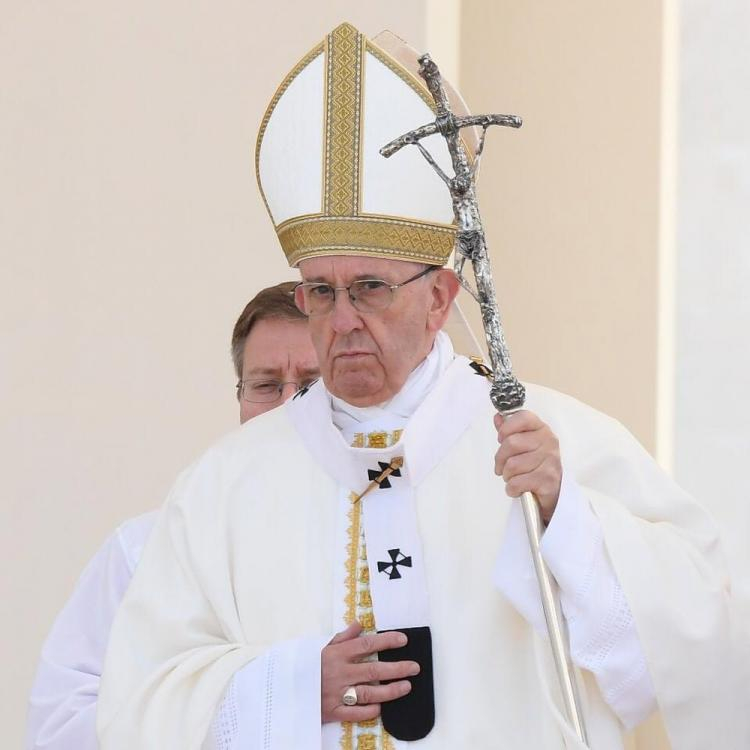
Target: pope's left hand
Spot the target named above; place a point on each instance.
(529, 459)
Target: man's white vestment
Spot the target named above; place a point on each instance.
(62, 703)
(254, 562)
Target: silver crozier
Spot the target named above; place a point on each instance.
(507, 393)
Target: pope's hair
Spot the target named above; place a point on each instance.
(272, 303)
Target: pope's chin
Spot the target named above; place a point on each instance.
(354, 380)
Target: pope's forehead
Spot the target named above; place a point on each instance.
(336, 266)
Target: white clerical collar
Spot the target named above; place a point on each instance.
(394, 413)
(457, 397)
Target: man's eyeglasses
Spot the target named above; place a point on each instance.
(266, 390)
(367, 295)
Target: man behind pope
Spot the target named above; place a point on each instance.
(345, 574)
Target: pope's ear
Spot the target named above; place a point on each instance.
(444, 290)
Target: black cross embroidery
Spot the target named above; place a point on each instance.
(376, 475)
(394, 563)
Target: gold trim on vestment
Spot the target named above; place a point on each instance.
(355, 514)
(373, 236)
(365, 600)
(358, 600)
(372, 437)
(377, 440)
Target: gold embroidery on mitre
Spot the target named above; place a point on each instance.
(369, 235)
(344, 50)
(340, 227)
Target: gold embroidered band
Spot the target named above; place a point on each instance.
(343, 117)
(374, 236)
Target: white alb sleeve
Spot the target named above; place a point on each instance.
(273, 703)
(603, 638)
(62, 705)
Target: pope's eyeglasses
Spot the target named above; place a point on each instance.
(266, 390)
(366, 295)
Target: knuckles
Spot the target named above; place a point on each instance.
(364, 694)
(512, 467)
(368, 644)
(373, 671)
(510, 443)
(513, 488)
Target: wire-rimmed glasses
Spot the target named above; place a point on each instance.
(266, 390)
(366, 295)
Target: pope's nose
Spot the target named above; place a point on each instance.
(344, 316)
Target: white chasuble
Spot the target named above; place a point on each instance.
(262, 543)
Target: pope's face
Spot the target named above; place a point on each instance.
(277, 350)
(365, 358)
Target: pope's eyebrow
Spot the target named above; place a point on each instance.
(358, 277)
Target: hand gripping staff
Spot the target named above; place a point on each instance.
(507, 393)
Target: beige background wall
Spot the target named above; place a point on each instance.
(131, 235)
(571, 200)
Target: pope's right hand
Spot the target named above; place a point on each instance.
(343, 665)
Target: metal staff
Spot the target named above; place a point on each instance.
(507, 393)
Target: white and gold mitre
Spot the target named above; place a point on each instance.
(326, 186)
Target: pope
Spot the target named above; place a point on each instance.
(349, 572)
